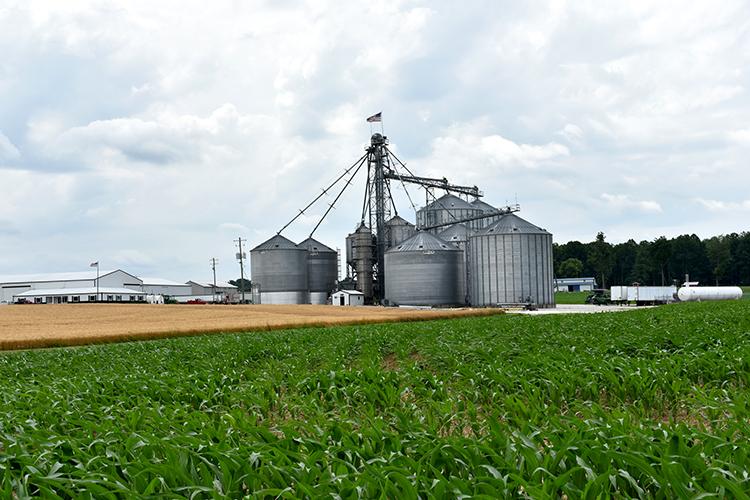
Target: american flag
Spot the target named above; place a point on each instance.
(377, 117)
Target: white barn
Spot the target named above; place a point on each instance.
(71, 287)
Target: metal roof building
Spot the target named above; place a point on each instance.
(574, 284)
(160, 286)
(75, 295)
(15, 285)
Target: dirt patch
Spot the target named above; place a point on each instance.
(389, 363)
(416, 357)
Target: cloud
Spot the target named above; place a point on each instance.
(724, 206)
(623, 202)
(135, 128)
(8, 150)
(486, 152)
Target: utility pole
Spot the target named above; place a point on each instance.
(214, 260)
(241, 257)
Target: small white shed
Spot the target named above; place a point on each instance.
(348, 298)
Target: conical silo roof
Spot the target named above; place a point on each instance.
(276, 243)
(449, 202)
(512, 224)
(313, 245)
(456, 232)
(397, 220)
(483, 206)
(422, 241)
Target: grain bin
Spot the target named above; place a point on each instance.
(279, 268)
(423, 270)
(485, 208)
(458, 235)
(322, 270)
(398, 230)
(446, 209)
(362, 244)
(510, 262)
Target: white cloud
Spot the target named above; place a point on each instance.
(724, 206)
(156, 127)
(8, 150)
(623, 202)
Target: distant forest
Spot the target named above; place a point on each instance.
(721, 260)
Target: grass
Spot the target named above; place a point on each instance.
(649, 403)
(571, 297)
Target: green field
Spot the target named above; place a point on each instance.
(571, 297)
(649, 403)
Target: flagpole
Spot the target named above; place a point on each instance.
(98, 298)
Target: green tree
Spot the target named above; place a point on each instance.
(601, 258)
(661, 251)
(570, 268)
(719, 257)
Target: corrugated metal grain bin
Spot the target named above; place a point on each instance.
(510, 262)
(458, 235)
(423, 270)
(322, 270)
(279, 268)
(444, 210)
(485, 208)
(398, 230)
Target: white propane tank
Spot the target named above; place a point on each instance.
(699, 293)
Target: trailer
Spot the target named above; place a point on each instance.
(643, 295)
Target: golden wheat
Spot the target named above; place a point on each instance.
(31, 326)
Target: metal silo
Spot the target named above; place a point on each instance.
(458, 235)
(279, 268)
(510, 262)
(398, 230)
(423, 270)
(362, 246)
(446, 209)
(322, 270)
(485, 208)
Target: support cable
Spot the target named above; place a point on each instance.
(325, 191)
(366, 201)
(331, 205)
(403, 184)
(440, 203)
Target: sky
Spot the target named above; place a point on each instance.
(150, 135)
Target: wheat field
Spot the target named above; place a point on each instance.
(34, 326)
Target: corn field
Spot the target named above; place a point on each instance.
(647, 404)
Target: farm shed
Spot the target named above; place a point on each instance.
(75, 295)
(224, 290)
(348, 298)
(575, 284)
(159, 286)
(15, 285)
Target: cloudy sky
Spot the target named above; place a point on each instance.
(149, 135)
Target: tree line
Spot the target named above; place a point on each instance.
(720, 260)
